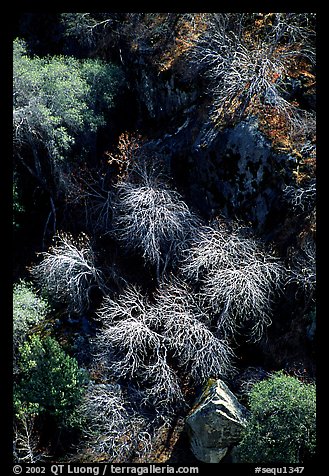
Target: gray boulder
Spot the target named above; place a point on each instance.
(215, 422)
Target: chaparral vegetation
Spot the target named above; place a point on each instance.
(164, 228)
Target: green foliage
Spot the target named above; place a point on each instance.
(281, 428)
(49, 378)
(29, 310)
(56, 98)
(24, 409)
(104, 81)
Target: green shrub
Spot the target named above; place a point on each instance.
(58, 99)
(281, 428)
(50, 378)
(29, 309)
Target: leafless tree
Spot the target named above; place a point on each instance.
(294, 28)
(174, 298)
(209, 249)
(303, 266)
(161, 388)
(113, 429)
(138, 340)
(129, 347)
(237, 277)
(26, 440)
(68, 272)
(132, 347)
(303, 197)
(242, 296)
(130, 304)
(118, 430)
(151, 218)
(199, 353)
(243, 65)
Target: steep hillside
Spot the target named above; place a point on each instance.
(164, 223)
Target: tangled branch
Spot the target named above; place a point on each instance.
(68, 272)
(113, 428)
(130, 304)
(243, 65)
(90, 190)
(198, 352)
(303, 266)
(154, 345)
(153, 219)
(26, 440)
(237, 278)
(303, 197)
(131, 349)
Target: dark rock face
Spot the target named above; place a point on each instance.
(161, 98)
(239, 175)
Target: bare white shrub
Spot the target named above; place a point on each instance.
(113, 429)
(208, 250)
(242, 295)
(151, 218)
(128, 305)
(303, 266)
(237, 278)
(217, 246)
(26, 440)
(295, 28)
(242, 65)
(68, 272)
(199, 353)
(174, 298)
(129, 347)
(161, 387)
(154, 346)
(301, 198)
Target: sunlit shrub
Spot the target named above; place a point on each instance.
(282, 425)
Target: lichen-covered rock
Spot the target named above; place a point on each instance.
(215, 422)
